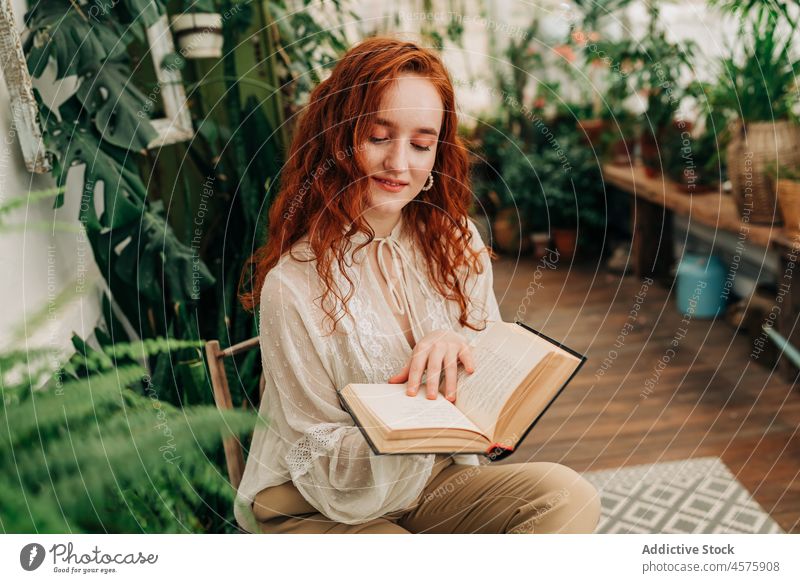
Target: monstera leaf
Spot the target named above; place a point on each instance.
(117, 107)
(75, 142)
(145, 254)
(75, 43)
(145, 11)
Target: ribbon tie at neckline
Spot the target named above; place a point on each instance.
(402, 264)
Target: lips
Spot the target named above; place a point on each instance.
(393, 183)
(393, 186)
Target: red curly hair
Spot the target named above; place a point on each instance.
(336, 121)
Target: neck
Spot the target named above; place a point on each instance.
(383, 225)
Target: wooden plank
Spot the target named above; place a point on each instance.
(713, 209)
(234, 457)
(711, 400)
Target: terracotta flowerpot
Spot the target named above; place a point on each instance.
(621, 152)
(789, 201)
(651, 142)
(566, 241)
(592, 130)
(651, 160)
(507, 230)
(540, 241)
(754, 151)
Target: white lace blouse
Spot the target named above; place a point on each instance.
(309, 438)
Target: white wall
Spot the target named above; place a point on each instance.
(684, 19)
(37, 262)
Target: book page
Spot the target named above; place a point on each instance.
(503, 358)
(397, 410)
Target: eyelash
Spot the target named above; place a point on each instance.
(420, 148)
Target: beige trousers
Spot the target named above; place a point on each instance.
(534, 497)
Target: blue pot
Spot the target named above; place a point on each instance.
(701, 281)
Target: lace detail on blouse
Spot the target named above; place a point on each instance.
(317, 441)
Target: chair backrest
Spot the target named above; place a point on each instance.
(234, 455)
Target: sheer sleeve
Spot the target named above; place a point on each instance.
(327, 458)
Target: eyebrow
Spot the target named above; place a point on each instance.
(385, 122)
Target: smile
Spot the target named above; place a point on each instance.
(390, 185)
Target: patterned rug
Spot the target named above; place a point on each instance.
(686, 496)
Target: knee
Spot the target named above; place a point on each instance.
(584, 505)
(561, 501)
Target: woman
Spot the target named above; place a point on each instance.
(373, 273)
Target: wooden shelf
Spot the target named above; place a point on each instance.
(652, 249)
(714, 209)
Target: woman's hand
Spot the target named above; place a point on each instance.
(437, 350)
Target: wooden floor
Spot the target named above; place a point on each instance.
(710, 399)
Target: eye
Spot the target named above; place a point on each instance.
(375, 140)
(422, 148)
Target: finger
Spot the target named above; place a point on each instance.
(434, 370)
(468, 359)
(450, 374)
(402, 376)
(416, 368)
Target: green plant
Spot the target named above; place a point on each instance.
(88, 447)
(168, 275)
(663, 64)
(757, 9)
(197, 7)
(594, 12)
(165, 247)
(695, 156)
(87, 444)
(579, 187)
(566, 190)
(784, 171)
(520, 186)
(790, 173)
(761, 86)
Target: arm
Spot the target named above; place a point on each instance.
(328, 459)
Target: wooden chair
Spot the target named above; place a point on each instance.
(234, 455)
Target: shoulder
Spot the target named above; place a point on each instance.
(290, 283)
(478, 236)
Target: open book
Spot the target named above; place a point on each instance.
(519, 372)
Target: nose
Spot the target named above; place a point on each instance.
(396, 160)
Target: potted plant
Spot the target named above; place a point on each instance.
(659, 80)
(759, 89)
(658, 68)
(788, 190)
(692, 156)
(619, 137)
(198, 30)
(515, 192)
(691, 159)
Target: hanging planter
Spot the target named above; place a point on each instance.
(198, 34)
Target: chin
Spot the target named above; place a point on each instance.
(387, 203)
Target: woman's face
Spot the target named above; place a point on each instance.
(401, 148)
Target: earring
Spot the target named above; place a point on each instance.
(429, 183)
